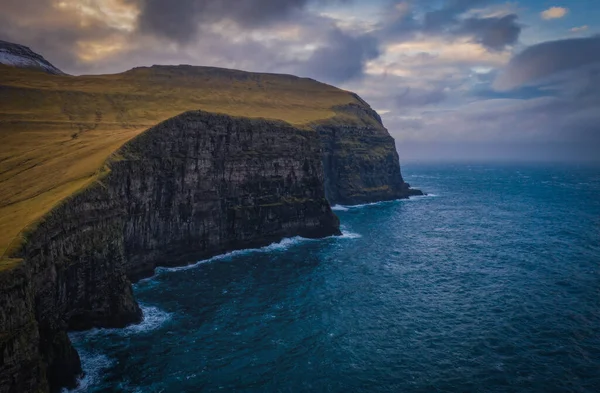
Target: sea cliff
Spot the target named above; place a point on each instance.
(360, 159)
(193, 186)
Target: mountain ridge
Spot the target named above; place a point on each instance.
(17, 55)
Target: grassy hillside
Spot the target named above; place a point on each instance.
(57, 131)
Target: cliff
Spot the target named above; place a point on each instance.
(360, 159)
(103, 178)
(193, 186)
(57, 131)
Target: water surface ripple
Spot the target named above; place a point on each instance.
(491, 285)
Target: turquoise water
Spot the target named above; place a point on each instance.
(491, 284)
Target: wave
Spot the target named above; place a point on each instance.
(421, 177)
(350, 235)
(152, 319)
(339, 208)
(93, 365)
(412, 198)
(284, 244)
(417, 197)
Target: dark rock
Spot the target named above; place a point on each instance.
(360, 160)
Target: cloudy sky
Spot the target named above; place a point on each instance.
(453, 79)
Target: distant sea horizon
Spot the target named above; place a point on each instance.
(489, 284)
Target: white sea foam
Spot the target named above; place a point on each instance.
(418, 197)
(153, 318)
(350, 207)
(421, 177)
(284, 244)
(339, 208)
(93, 365)
(349, 235)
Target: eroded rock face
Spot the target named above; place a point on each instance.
(199, 185)
(360, 160)
(192, 187)
(20, 358)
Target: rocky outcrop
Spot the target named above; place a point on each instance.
(193, 186)
(360, 159)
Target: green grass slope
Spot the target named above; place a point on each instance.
(57, 131)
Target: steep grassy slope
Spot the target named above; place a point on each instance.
(57, 131)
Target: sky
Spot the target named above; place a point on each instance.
(452, 79)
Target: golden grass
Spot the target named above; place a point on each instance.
(57, 132)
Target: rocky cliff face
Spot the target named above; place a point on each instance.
(201, 184)
(191, 187)
(360, 159)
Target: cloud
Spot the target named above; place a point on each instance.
(59, 30)
(342, 57)
(493, 32)
(554, 13)
(539, 128)
(455, 19)
(556, 117)
(114, 35)
(546, 59)
(579, 29)
(180, 20)
(420, 97)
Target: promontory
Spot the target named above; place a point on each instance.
(105, 177)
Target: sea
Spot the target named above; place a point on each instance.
(491, 283)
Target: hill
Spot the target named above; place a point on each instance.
(57, 131)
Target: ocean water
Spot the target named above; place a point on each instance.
(490, 284)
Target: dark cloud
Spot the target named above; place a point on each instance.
(420, 97)
(569, 70)
(179, 20)
(342, 57)
(546, 59)
(59, 35)
(557, 119)
(48, 30)
(447, 15)
(495, 32)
